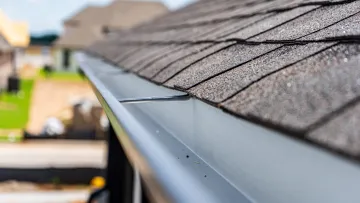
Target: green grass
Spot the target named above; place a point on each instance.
(14, 138)
(14, 108)
(64, 76)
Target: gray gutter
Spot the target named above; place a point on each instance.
(198, 153)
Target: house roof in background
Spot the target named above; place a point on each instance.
(80, 37)
(87, 25)
(90, 15)
(289, 65)
(127, 14)
(16, 33)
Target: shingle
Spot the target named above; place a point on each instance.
(225, 85)
(204, 10)
(153, 55)
(112, 53)
(178, 66)
(223, 60)
(349, 26)
(241, 11)
(234, 26)
(166, 35)
(126, 52)
(270, 22)
(172, 57)
(204, 14)
(180, 34)
(198, 9)
(157, 52)
(237, 24)
(141, 54)
(228, 58)
(302, 94)
(342, 132)
(332, 1)
(311, 22)
(160, 64)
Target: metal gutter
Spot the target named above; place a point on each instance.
(198, 153)
(149, 155)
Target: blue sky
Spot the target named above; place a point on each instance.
(47, 15)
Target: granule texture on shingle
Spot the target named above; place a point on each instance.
(342, 132)
(221, 61)
(154, 68)
(178, 54)
(230, 13)
(185, 33)
(147, 56)
(310, 22)
(198, 11)
(300, 95)
(235, 26)
(152, 56)
(141, 54)
(270, 22)
(173, 34)
(347, 27)
(225, 85)
(223, 14)
(155, 54)
(180, 65)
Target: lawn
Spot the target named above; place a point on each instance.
(10, 135)
(14, 108)
(59, 75)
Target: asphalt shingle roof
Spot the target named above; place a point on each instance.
(86, 26)
(291, 65)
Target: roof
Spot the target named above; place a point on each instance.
(4, 45)
(16, 33)
(79, 37)
(117, 15)
(127, 14)
(288, 65)
(86, 16)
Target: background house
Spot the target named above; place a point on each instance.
(14, 38)
(94, 22)
(5, 62)
(40, 51)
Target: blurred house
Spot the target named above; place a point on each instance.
(14, 38)
(40, 51)
(94, 22)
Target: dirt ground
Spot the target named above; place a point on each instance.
(53, 98)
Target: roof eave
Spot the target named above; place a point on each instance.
(228, 159)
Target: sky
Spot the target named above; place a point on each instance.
(47, 15)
